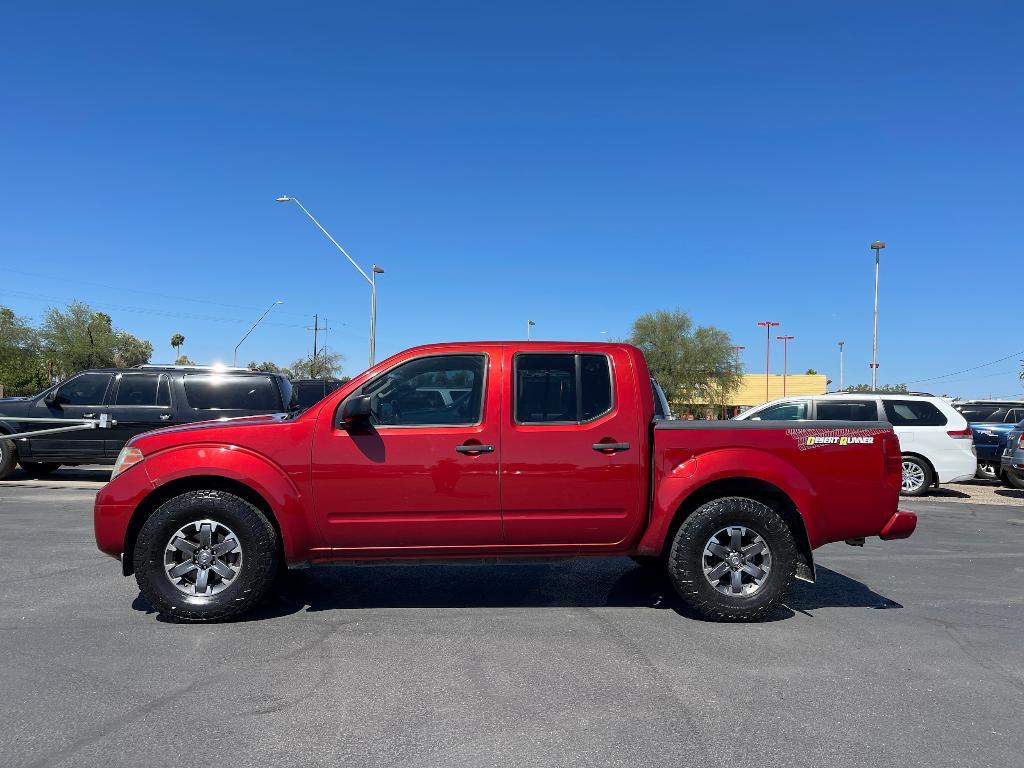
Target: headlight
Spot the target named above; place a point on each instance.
(126, 459)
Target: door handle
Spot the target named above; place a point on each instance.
(474, 448)
(164, 416)
(88, 415)
(610, 447)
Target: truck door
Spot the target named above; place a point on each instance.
(141, 402)
(80, 397)
(571, 449)
(423, 473)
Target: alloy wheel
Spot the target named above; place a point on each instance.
(913, 477)
(202, 558)
(737, 561)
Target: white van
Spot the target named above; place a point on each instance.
(935, 439)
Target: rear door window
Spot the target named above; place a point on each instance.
(217, 392)
(847, 410)
(556, 388)
(1015, 415)
(913, 413)
(796, 411)
(138, 389)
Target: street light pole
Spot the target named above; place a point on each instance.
(841, 344)
(529, 325)
(767, 325)
(785, 344)
(375, 271)
(234, 356)
(877, 247)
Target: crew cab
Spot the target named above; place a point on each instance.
(539, 450)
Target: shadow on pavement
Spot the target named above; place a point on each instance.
(945, 492)
(1009, 493)
(577, 584)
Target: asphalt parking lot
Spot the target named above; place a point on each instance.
(905, 653)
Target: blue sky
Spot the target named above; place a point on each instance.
(572, 164)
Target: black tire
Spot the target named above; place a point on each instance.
(38, 468)
(255, 576)
(987, 471)
(1014, 479)
(926, 475)
(8, 457)
(686, 559)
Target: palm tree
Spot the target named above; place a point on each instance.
(176, 341)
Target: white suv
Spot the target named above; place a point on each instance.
(935, 439)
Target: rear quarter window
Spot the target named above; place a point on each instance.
(913, 413)
(232, 393)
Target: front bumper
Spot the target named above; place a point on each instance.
(900, 526)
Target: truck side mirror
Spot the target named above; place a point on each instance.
(355, 410)
(51, 399)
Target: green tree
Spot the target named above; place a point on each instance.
(80, 338)
(897, 388)
(22, 368)
(696, 366)
(269, 367)
(326, 365)
(811, 372)
(176, 341)
(183, 360)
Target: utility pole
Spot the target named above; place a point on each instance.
(767, 325)
(316, 331)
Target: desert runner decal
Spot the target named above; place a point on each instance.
(813, 438)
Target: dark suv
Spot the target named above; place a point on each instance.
(991, 421)
(138, 399)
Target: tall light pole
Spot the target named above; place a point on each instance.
(767, 325)
(375, 271)
(234, 356)
(529, 325)
(877, 247)
(785, 344)
(841, 345)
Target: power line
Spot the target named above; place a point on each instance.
(966, 370)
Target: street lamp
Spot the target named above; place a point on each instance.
(785, 344)
(529, 325)
(841, 345)
(368, 278)
(877, 247)
(234, 356)
(767, 325)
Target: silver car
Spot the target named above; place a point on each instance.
(1011, 470)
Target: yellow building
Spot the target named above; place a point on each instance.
(751, 391)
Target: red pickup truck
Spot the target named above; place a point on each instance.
(495, 450)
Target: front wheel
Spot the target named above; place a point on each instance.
(917, 477)
(8, 457)
(205, 556)
(1014, 479)
(733, 559)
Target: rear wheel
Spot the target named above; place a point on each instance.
(917, 477)
(733, 559)
(987, 471)
(8, 457)
(38, 468)
(205, 556)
